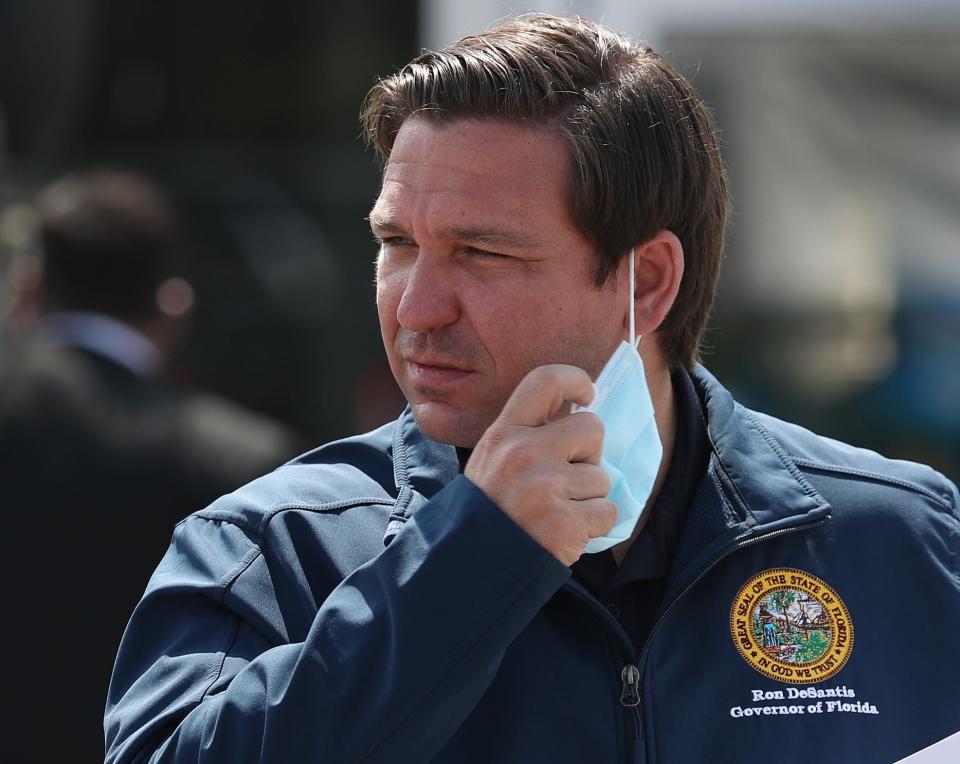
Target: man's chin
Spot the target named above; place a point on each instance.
(446, 424)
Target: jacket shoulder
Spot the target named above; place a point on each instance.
(345, 473)
(816, 454)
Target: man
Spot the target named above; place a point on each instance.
(549, 191)
(99, 457)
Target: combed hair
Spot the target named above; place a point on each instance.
(643, 147)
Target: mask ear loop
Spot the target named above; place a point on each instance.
(634, 339)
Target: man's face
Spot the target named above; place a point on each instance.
(481, 275)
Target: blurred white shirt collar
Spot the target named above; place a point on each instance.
(104, 336)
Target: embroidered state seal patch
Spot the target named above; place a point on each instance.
(790, 626)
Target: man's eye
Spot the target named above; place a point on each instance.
(392, 242)
(485, 253)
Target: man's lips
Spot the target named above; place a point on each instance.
(435, 372)
(435, 362)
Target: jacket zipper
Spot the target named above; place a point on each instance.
(630, 676)
(625, 644)
(630, 698)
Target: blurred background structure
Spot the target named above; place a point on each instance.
(839, 304)
(100, 455)
(840, 301)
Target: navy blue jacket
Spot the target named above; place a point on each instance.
(364, 603)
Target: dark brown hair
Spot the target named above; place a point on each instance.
(643, 147)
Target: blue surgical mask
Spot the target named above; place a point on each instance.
(631, 442)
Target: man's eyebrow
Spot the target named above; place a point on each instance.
(382, 222)
(492, 235)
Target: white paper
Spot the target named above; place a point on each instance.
(947, 751)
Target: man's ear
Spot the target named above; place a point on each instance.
(658, 269)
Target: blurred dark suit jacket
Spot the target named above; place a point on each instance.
(97, 465)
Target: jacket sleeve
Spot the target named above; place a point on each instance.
(395, 659)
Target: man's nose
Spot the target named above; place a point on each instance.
(429, 298)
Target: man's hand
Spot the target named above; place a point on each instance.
(540, 466)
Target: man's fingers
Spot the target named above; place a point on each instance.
(540, 464)
(599, 515)
(585, 481)
(543, 392)
(580, 437)
(572, 438)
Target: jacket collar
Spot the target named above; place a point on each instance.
(421, 467)
(751, 488)
(758, 487)
(764, 486)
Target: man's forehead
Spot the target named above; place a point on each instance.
(480, 148)
(424, 126)
(489, 172)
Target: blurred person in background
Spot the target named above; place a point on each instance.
(668, 577)
(99, 455)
